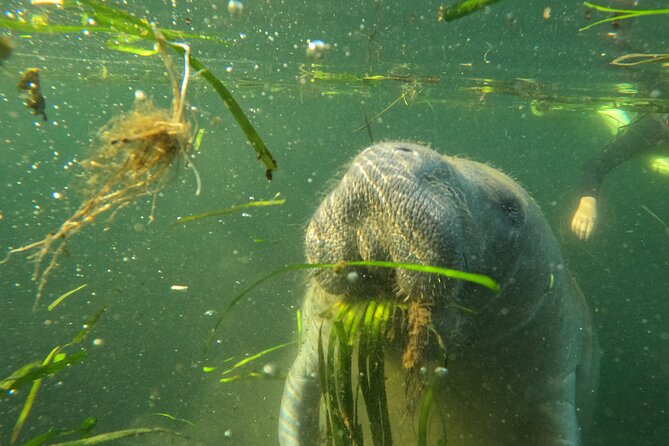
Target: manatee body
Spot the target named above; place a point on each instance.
(522, 366)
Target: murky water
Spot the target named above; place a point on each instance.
(466, 88)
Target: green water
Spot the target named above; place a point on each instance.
(151, 354)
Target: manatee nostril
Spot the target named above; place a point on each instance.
(403, 149)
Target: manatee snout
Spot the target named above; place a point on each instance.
(522, 363)
(396, 202)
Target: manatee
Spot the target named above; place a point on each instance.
(522, 363)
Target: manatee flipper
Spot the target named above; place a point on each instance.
(556, 420)
(299, 413)
(298, 417)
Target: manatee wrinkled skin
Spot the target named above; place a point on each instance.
(522, 367)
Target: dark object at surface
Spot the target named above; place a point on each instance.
(648, 135)
(34, 99)
(461, 9)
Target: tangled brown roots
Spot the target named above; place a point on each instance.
(137, 148)
(136, 151)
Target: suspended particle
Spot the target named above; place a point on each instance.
(235, 8)
(316, 49)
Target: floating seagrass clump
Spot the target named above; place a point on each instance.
(137, 148)
(352, 364)
(136, 152)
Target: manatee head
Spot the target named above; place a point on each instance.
(404, 202)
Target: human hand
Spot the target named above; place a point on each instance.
(585, 218)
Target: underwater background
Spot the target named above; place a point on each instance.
(512, 85)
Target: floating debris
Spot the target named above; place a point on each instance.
(137, 151)
(6, 48)
(461, 9)
(658, 219)
(33, 99)
(179, 288)
(547, 13)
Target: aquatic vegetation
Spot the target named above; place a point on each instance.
(109, 436)
(424, 90)
(411, 86)
(634, 59)
(124, 24)
(226, 374)
(338, 267)
(368, 327)
(63, 296)
(408, 95)
(96, 16)
(136, 151)
(230, 210)
(173, 418)
(544, 97)
(621, 14)
(54, 357)
(83, 430)
(365, 326)
(313, 73)
(367, 323)
(432, 382)
(262, 152)
(33, 373)
(462, 9)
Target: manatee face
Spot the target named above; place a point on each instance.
(522, 362)
(403, 202)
